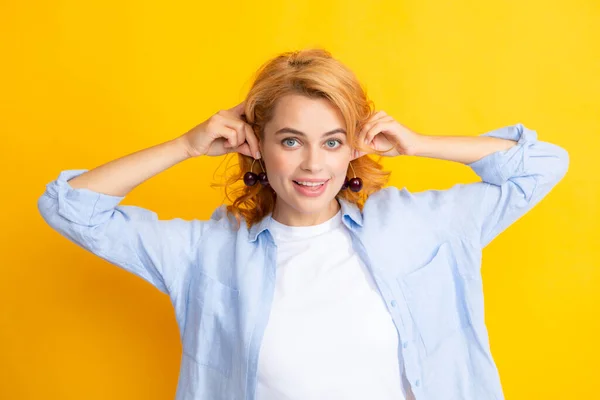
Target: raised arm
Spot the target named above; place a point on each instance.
(517, 172)
(120, 176)
(83, 206)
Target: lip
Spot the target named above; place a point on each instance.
(308, 192)
(310, 180)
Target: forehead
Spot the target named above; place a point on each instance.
(309, 115)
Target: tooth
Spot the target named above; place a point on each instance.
(310, 184)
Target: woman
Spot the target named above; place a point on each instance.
(317, 282)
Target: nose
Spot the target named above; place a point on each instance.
(312, 159)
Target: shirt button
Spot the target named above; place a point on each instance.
(393, 303)
(417, 383)
(405, 344)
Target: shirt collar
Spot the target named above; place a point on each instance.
(349, 210)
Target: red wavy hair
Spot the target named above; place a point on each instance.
(316, 74)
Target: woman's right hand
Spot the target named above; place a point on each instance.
(223, 133)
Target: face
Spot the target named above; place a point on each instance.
(305, 140)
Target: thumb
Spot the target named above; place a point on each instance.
(239, 109)
(245, 150)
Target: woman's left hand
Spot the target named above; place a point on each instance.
(382, 132)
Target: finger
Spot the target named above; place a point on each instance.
(378, 127)
(252, 141)
(372, 131)
(222, 127)
(369, 124)
(245, 133)
(369, 128)
(241, 132)
(230, 136)
(245, 150)
(376, 115)
(238, 110)
(238, 126)
(379, 114)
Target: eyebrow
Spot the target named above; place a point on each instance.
(297, 132)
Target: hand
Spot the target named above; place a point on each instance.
(383, 132)
(223, 133)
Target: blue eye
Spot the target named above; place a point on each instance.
(287, 139)
(294, 140)
(335, 141)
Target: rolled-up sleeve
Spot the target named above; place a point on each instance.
(129, 237)
(513, 180)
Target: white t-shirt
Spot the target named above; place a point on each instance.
(329, 334)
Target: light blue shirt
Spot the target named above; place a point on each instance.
(423, 250)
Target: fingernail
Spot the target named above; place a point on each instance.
(258, 154)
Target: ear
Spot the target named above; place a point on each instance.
(357, 154)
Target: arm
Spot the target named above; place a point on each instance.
(517, 172)
(120, 176)
(463, 149)
(83, 206)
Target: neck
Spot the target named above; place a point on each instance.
(291, 217)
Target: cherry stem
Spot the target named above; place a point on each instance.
(353, 170)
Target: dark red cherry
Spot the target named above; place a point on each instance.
(345, 185)
(250, 178)
(355, 184)
(262, 178)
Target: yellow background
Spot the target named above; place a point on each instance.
(83, 83)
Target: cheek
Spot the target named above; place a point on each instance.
(279, 164)
(343, 165)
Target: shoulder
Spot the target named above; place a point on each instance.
(396, 199)
(223, 223)
(431, 200)
(396, 209)
(439, 210)
(221, 218)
